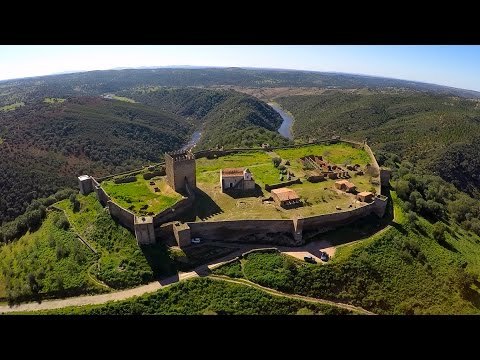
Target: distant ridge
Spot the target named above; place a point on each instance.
(100, 81)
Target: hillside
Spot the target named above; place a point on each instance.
(227, 118)
(45, 146)
(402, 270)
(204, 297)
(107, 81)
(437, 132)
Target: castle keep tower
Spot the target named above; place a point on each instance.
(180, 168)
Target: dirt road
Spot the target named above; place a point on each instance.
(156, 285)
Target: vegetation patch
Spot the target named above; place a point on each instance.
(122, 263)
(232, 269)
(122, 98)
(49, 262)
(53, 100)
(12, 107)
(204, 297)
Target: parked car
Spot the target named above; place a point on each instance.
(196, 241)
(324, 256)
(310, 259)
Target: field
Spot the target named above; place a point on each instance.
(12, 106)
(122, 98)
(53, 100)
(140, 197)
(318, 198)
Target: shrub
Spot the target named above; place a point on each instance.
(276, 161)
(438, 231)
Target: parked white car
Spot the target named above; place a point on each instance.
(196, 241)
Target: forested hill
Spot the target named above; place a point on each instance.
(440, 133)
(100, 82)
(44, 146)
(228, 118)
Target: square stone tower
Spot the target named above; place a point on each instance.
(180, 168)
(86, 185)
(144, 230)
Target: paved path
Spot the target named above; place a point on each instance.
(156, 285)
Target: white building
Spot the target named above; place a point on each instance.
(236, 179)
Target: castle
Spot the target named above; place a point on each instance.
(180, 170)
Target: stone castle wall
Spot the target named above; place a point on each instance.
(124, 217)
(174, 211)
(269, 231)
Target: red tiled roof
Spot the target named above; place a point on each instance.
(285, 194)
(233, 171)
(365, 193)
(347, 183)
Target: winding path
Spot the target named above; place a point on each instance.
(311, 247)
(291, 296)
(202, 270)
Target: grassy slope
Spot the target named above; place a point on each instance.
(399, 271)
(203, 296)
(51, 257)
(138, 194)
(438, 132)
(122, 263)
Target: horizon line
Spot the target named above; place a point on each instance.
(68, 72)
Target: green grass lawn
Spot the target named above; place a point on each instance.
(318, 198)
(140, 197)
(12, 106)
(122, 98)
(53, 100)
(339, 154)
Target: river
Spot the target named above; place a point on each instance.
(286, 127)
(193, 141)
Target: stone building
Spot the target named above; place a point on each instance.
(180, 169)
(345, 185)
(286, 198)
(365, 196)
(86, 184)
(236, 179)
(144, 230)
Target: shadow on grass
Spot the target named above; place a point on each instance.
(160, 260)
(239, 194)
(203, 207)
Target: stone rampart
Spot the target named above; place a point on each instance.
(124, 217)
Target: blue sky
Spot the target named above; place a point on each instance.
(449, 65)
